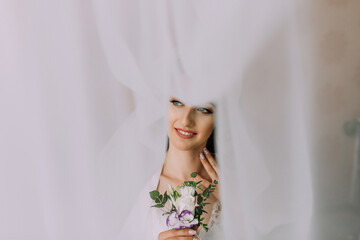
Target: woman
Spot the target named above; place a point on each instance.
(189, 129)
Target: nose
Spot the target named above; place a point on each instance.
(188, 117)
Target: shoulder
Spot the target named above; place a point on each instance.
(149, 186)
(141, 207)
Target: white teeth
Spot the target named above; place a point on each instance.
(185, 133)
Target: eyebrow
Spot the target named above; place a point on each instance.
(210, 103)
(213, 104)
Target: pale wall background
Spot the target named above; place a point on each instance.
(336, 27)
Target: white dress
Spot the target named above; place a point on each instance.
(146, 222)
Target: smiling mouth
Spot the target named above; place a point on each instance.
(184, 133)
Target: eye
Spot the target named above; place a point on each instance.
(176, 103)
(204, 110)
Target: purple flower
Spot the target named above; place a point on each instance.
(183, 220)
(183, 204)
(173, 220)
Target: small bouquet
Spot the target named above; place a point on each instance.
(185, 205)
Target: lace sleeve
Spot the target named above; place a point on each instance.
(215, 214)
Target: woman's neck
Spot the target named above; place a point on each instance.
(180, 164)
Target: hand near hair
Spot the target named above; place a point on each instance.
(211, 168)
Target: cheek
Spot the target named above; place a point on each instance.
(172, 116)
(207, 126)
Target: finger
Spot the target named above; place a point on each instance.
(210, 170)
(176, 233)
(197, 229)
(211, 160)
(183, 238)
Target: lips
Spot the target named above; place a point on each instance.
(185, 133)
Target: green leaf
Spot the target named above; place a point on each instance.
(198, 211)
(216, 182)
(199, 199)
(193, 175)
(190, 183)
(171, 191)
(165, 198)
(176, 194)
(158, 206)
(206, 193)
(154, 194)
(204, 226)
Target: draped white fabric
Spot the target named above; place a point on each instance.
(84, 89)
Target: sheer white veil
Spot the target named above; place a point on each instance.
(204, 51)
(84, 90)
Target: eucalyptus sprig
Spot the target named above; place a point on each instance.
(201, 199)
(159, 198)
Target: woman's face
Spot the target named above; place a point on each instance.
(189, 126)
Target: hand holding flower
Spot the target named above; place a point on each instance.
(184, 206)
(178, 234)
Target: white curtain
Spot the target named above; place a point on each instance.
(84, 87)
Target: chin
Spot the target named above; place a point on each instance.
(184, 146)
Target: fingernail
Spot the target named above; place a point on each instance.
(202, 156)
(192, 232)
(206, 151)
